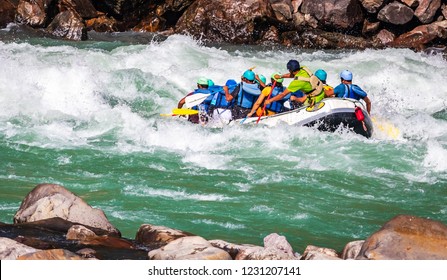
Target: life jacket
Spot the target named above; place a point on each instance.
(206, 102)
(317, 93)
(354, 92)
(277, 106)
(248, 94)
(219, 100)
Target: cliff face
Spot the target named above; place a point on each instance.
(327, 24)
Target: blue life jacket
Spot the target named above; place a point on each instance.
(248, 94)
(277, 106)
(206, 103)
(354, 92)
(219, 100)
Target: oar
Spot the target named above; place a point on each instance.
(180, 112)
(195, 99)
(263, 108)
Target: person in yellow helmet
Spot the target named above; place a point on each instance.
(273, 108)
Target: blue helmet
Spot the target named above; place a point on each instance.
(262, 78)
(346, 75)
(321, 74)
(231, 83)
(293, 65)
(249, 75)
(210, 83)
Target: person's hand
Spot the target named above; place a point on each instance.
(277, 76)
(249, 115)
(267, 102)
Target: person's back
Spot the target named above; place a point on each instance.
(245, 94)
(348, 90)
(220, 107)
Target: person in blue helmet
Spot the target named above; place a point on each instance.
(220, 107)
(202, 87)
(245, 94)
(322, 75)
(348, 90)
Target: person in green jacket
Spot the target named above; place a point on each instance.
(305, 89)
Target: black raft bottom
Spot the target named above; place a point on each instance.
(334, 121)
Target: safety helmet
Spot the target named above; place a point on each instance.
(293, 65)
(346, 75)
(231, 83)
(280, 80)
(202, 81)
(321, 74)
(262, 78)
(210, 83)
(249, 75)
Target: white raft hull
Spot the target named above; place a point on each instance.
(327, 115)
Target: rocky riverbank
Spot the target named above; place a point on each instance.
(325, 24)
(53, 223)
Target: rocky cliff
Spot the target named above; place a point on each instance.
(326, 24)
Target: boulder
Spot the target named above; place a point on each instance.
(370, 27)
(421, 35)
(102, 24)
(32, 13)
(426, 10)
(47, 201)
(275, 247)
(233, 249)
(7, 12)
(282, 9)
(372, 6)
(318, 253)
(410, 3)
(189, 248)
(396, 13)
(352, 250)
(69, 25)
(407, 238)
(53, 254)
(340, 14)
(385, 37)
(227, 20)
(150, 234)
(11, 249)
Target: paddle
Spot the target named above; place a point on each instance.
(195, 99)
(179, 112)
(263, 108)
(386, 127)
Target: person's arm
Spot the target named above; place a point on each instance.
(278, 97)
(328, 91)
(287, 75)
(260, 82)
(368, 104)
(181, 102)
(256, 105)
(298, 99)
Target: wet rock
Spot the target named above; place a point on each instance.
(129, 13)
(407, 238)
(318, 253)
(275, 247)
(7, 12)
(102, 24)
(151, 234)
(283, 9)
(427, 9)
(68, 25)
(352, 250)
(32, 13)
(87, 253)
(78, 232)
(11, 249)
(189, 248)
(48, 201)
(370, 27)
(227, 21)
(372, 6)
(385, 37)
(84, 8)
(342, 14)
(54, 254)
(396, 13)
(421, 35)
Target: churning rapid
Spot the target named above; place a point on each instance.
(87, 116)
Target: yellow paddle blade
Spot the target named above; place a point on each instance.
(386, 127)
(178, 111)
